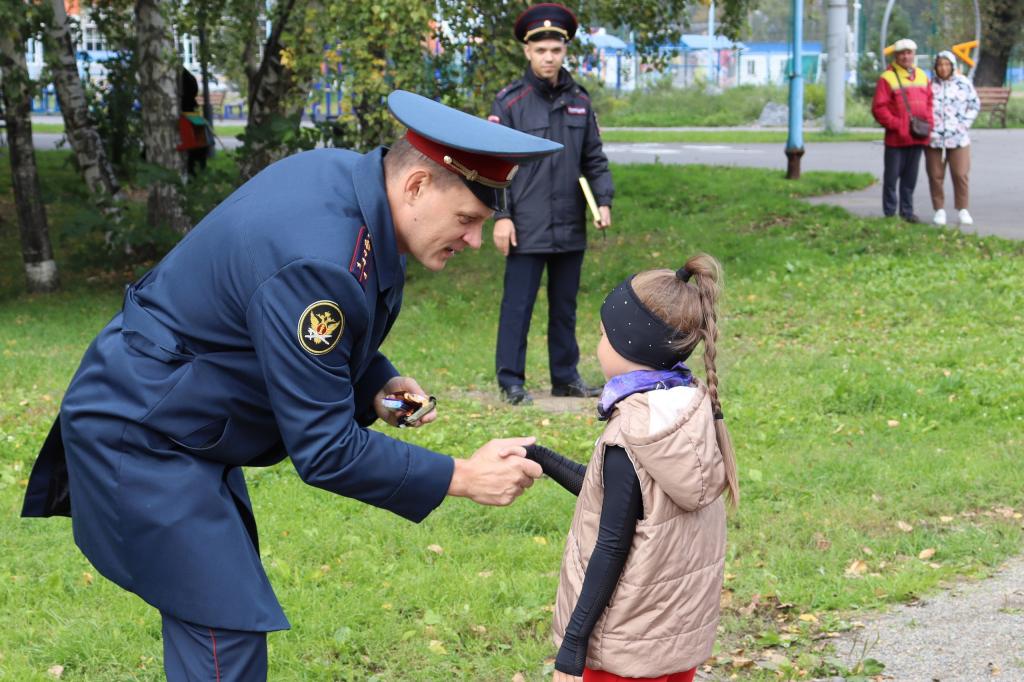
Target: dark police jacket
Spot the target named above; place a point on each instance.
(254, 339)
(545, 201)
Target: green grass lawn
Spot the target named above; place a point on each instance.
(732, 136)
(222, 129)
(871, 375)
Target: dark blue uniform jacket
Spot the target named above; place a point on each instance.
(214, 364)
(545, 201)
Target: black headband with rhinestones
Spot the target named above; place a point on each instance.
(635, 332)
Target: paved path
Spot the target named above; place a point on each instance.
(997, 174)
(997, 198)
(974, 631)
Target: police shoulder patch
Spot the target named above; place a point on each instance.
(320, 327)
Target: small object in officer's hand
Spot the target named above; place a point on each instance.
(414, 405)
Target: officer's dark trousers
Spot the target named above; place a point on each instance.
(522, 280)
(196, 652)
(901, 166)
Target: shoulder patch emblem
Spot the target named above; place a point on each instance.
(576, 111)
(320, 327)
(359, 266)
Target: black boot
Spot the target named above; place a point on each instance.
(576, 389)
(516, 395)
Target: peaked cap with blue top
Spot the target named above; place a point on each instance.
(486, 155)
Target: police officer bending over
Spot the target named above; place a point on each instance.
(256, 338)
(544, 225)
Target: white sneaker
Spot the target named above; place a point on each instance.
(940, 217)
(965, 217)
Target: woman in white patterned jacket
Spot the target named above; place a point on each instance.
(956, 106)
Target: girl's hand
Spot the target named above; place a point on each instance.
(565, 677)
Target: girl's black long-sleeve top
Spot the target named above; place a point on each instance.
(620, 511)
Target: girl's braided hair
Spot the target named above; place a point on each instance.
(686, 300)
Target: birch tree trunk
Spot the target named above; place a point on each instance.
(158, 87)
(36, 252)
(271, 91)
(79, 128)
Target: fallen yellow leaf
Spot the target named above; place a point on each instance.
(904, 526)
(436, 549)
(87, 577)
(926, 554)
(945, 519)
(893, 423)
(437, 647)
(540, 540)
(857, 567)
(55, 671)
(808, 618)
(485, 574)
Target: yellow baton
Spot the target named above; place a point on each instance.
(591, 202)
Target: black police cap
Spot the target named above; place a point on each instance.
(545, 21)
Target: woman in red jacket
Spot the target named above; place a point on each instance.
(902, 93)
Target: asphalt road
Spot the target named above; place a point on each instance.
(997, 173)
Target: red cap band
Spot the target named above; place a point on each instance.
(490, 171)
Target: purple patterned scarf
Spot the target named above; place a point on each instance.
(641, 381)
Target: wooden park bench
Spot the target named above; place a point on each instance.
(994, 101)
(216, 102)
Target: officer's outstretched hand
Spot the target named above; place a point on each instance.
(504, 235)
(604, 220)
(496, 474)
(399, 385)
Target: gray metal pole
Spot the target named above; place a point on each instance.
(712, 53)
(856, 40)
(835, 76)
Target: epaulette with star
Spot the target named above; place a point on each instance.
(510, 88)
(361, 261)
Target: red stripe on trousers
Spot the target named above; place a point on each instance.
(216, 665)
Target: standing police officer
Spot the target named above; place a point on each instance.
(256, 338)
(545, 223)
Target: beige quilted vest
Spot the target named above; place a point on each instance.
(663, 615)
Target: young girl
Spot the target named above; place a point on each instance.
(638, 596)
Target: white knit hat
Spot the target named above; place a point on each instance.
(904, 44)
